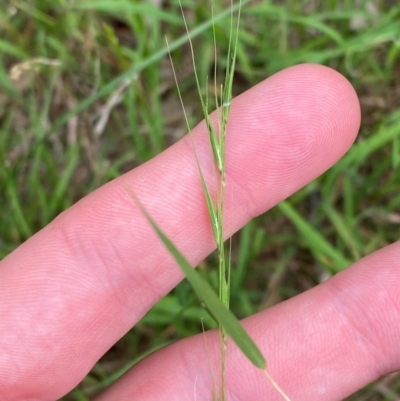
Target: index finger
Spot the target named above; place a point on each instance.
(77, 286)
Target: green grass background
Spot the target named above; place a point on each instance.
(64, 64)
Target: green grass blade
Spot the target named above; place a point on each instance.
(128, 8)
(344, 231)
(64, 180)
(16, 206)
(205, 292)
(314, 238)
(362, 150)
(9, 48)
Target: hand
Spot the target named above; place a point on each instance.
(71, 291)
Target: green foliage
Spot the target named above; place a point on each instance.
(51, 157)
(217, 307)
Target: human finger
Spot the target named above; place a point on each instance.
(324, 345)
(76, 287)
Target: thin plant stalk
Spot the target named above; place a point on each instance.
(217, 141)
(216, 206)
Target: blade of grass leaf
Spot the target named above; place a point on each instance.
(9, 48)
(205, 292)
(15, 201)
(344, 232)
(314, 239)
(127, 7)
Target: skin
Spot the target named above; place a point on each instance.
(76, 287)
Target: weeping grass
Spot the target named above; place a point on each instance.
(229, 325)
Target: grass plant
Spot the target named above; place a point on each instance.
(218, 306)
(51, 158)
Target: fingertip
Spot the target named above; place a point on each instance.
(336, 85)
(288, 130)
(333, 96)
